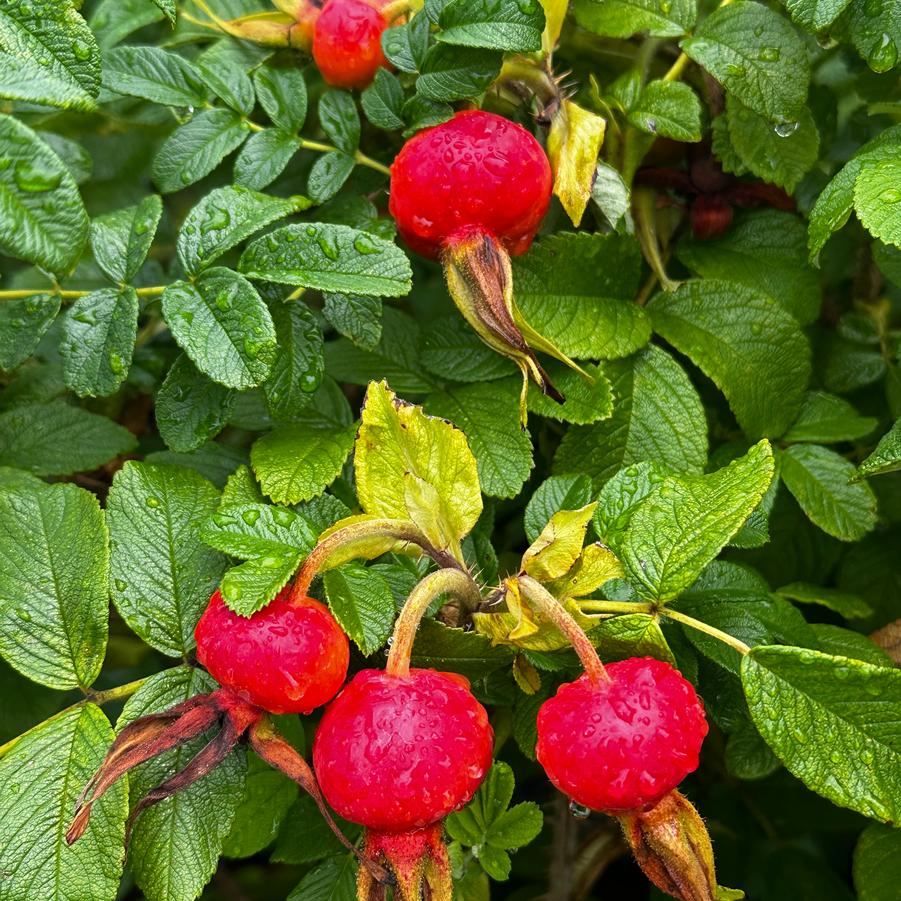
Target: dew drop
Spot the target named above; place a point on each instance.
(890, 195)
(884, 54)
(120, 585)
(786, 129)
(250, 516)
(769, 54)
(152, 501)
(116, 364)
(82, 50)
(31, 177)
(579, 811)
(23, 615)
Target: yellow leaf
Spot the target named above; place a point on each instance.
(416, 467)
(597, 565)
(573, 145)
(554, 552)
(554, 14)
(526, 676)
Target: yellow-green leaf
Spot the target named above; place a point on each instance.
(597, 565)
(573, 145)
(554, 14)
(558, 547)
(416, 467)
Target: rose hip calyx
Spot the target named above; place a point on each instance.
(471, 192)
(622, 744)
(289, 657)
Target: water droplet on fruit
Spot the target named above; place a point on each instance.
(579, 811)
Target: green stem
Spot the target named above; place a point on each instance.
(693, 623)
(545, 604)
(94, 697)
(18, 294)
(615, 607)
(444, 581)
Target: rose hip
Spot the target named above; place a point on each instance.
(621, 744)
(347, 42)
(289, 657)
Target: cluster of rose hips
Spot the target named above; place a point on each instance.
(397, 750)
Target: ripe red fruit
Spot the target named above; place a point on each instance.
(347, 43)
(622, 744)
(398, 753)
(290, 657)
(477, 172)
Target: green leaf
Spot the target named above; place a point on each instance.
(268, 795)
(248, 530)
(516, 827)
(514, 25)
(264, 157)
(756, 55)
(452, 73)
(828, 419)
(58, 439)
(357, 318)
(412, 466)
(223, 326)
(215, 462)
(876, 863)
(22, 324)
(749, 346)
(783, 154)
(113, 20)
(488, 415)
(833, 722)
(658, 416)
(297, 462)
(850, 606)
(668, 108)
(49, 55)
(442, 648)
(819, 479)
(363, 604)
(42, 217)
(845, 643)
(161, 576)
(190, 408)
(631, 635)
(305, 837)
(175, 846)
(40, 780)
(577, 290)
(282, 93)
(328, 175)
(815, 15)
(329, 258)
(450, 345)
(405, 45)
(877, 199)
(54, 567)
(99, 332)
(683, 524)
(153, 74)
(333, 880)
(836, 200)
(223, 219)
(586, 401)
(383, 101)
(339, 119)
(887, 455)
(619, 499)
(193, 150)
(227, 81)
(252, 585)
(554, 494)
(299, 366)
(874, 27)
(623, 18)
(122, 240)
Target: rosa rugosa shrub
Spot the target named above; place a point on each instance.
(450, 449)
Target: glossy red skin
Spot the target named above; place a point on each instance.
(398, 753)
(347, 43)
(290, 657)
(477, 172)
(622, 745)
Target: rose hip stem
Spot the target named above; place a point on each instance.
(544, 603)
(444, 581)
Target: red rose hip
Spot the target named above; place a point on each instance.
(289, 657)
(398, 753)
(476, 173)
(347, 43)
(621, 744)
